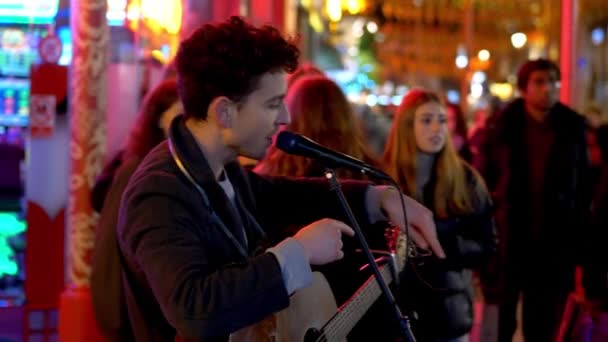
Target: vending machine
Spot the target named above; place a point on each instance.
(23, 24)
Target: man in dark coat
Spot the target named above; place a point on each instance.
(203, 242)
(533, 157)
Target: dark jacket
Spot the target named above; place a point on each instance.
(502, 161)
(595, 267)
(106, 280)
(104, 181)
(182, 273)
(441, 291)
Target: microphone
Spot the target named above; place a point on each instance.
(300, 145)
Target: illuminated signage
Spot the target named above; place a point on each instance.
(158, 15)
(117, 12)
(28, 12)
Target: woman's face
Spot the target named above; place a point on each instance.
(430, 127)
(168, 115)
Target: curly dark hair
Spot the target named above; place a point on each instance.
(146, 133)
(228, 59)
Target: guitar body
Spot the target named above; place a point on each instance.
(313, 314)
(309, 308)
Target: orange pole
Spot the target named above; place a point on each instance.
(87, 148)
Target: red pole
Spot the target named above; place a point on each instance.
(568, 46)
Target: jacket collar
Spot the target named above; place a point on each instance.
(185, 147)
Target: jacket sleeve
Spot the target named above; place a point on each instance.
(284, 201)
(159, 238)
(474, 237)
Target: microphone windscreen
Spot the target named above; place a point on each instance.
(286, 141)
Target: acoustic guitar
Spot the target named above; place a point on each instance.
(313, 315)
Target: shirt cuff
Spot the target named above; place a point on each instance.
(294, 264)
(372, 202)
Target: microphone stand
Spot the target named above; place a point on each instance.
(403, 321)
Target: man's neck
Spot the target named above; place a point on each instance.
(209, 141)
(536, 114)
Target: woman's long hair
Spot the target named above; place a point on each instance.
(146, 132)
(320, 111)
(452, 192)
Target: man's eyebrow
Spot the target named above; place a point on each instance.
(276, 98)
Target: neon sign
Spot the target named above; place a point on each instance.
(28, 12)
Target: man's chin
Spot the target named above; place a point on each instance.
(253, 155)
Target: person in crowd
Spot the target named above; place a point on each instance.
(150, 128)
(457, 126)
(533, 157)
(482, 116)
(595, 266)
(594, 122)
(160, 106)
(320, 111)
(203, 243)
(421, 156)
(304, 70)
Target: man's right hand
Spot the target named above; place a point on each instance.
(322, 240)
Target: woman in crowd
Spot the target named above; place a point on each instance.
(158, 110)
(457, 127)
(320, 111)
(421, 156)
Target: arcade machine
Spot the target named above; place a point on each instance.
(22, 25)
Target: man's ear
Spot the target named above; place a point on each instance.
(223, 109)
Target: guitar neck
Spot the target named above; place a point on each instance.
(353, 310)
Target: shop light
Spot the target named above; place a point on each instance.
(384, 100)
(334, 10)
(476, 90)
(479, 77)
(314, 20)
(598, 35)
(462, 61)
(483, 55)
(372, 100)
(372, 27)
(354, 6)
(397, 99)
(165, 15)
(518, 40)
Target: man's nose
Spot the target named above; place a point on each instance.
(283, 118)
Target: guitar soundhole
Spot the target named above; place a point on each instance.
(314, 335)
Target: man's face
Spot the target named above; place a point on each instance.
(259, 116)
(541, 91)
